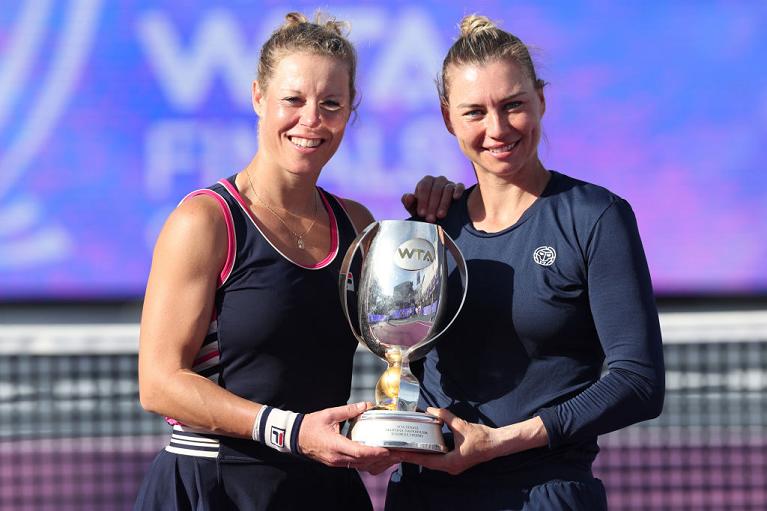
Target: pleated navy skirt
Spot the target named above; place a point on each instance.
(177, 482)
(412, 489)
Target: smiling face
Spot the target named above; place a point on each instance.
(495, 111)
(303, 112)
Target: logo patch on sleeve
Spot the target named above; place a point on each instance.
(278, 436)
(545, 256)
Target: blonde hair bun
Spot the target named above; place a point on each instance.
(293, 19)
(474, 24)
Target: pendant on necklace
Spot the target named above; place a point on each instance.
(301, 242)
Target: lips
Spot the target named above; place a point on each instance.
(501, 149)
(305, 143)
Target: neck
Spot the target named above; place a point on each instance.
(499, 202)
(280, 189)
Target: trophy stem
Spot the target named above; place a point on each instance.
(409, 388)
(387, 388)
(397, 389)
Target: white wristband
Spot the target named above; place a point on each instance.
(277, 429)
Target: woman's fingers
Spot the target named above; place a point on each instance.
(432, 197)
(409, 202)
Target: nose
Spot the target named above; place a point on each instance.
(310, 115)
(497, 125)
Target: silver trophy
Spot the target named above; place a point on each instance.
(400, 303)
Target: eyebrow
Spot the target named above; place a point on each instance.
(507, 98)
(299, 93)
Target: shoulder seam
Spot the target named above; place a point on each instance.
(614, 199)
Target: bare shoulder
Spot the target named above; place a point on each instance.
(196, 230)
(200, 210)
(360, 215)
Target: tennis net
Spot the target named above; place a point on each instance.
(74, 437)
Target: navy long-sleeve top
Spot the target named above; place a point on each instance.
(549, 300)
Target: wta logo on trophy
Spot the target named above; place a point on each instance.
(415, 254)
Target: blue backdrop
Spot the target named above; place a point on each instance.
(111, 111)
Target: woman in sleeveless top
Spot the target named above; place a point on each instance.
(244, 348)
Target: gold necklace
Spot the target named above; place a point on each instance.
(299, 237)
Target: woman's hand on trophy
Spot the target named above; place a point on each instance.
(320, 438)
(432, 197)
(474, 444)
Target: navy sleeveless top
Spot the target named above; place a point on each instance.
(278, 336)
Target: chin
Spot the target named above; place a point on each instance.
(502, 170)
(304, 169)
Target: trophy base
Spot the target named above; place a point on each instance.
(409, 431)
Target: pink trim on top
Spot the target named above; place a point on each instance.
(333, 227)
(333, 232)
(231, 236)
(212, 354)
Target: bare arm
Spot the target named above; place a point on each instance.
(178, 307)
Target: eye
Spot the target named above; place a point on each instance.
(331, 105)
(292, 100)
(473, 113)
(513, 105)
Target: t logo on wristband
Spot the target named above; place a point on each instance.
(278, 436)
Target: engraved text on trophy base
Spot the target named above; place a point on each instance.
(399, 430)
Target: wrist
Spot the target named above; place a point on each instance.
(521, 436)
(277, 429)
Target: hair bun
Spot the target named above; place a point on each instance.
(474, 24)
(339, 28)
(294, 18)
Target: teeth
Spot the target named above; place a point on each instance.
(503, 149)
(306, 142)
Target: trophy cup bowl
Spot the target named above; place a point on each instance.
(400, 304)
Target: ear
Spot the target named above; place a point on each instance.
(446, 117)
(257, 97)
(542, 99)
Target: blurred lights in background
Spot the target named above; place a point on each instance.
(110, 112)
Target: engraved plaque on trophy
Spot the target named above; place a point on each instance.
(400, 302)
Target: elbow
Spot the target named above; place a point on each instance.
(647, 394)
(654, 404)
(150, 393)
(156, 386)
(147, 402)
(653, 398)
